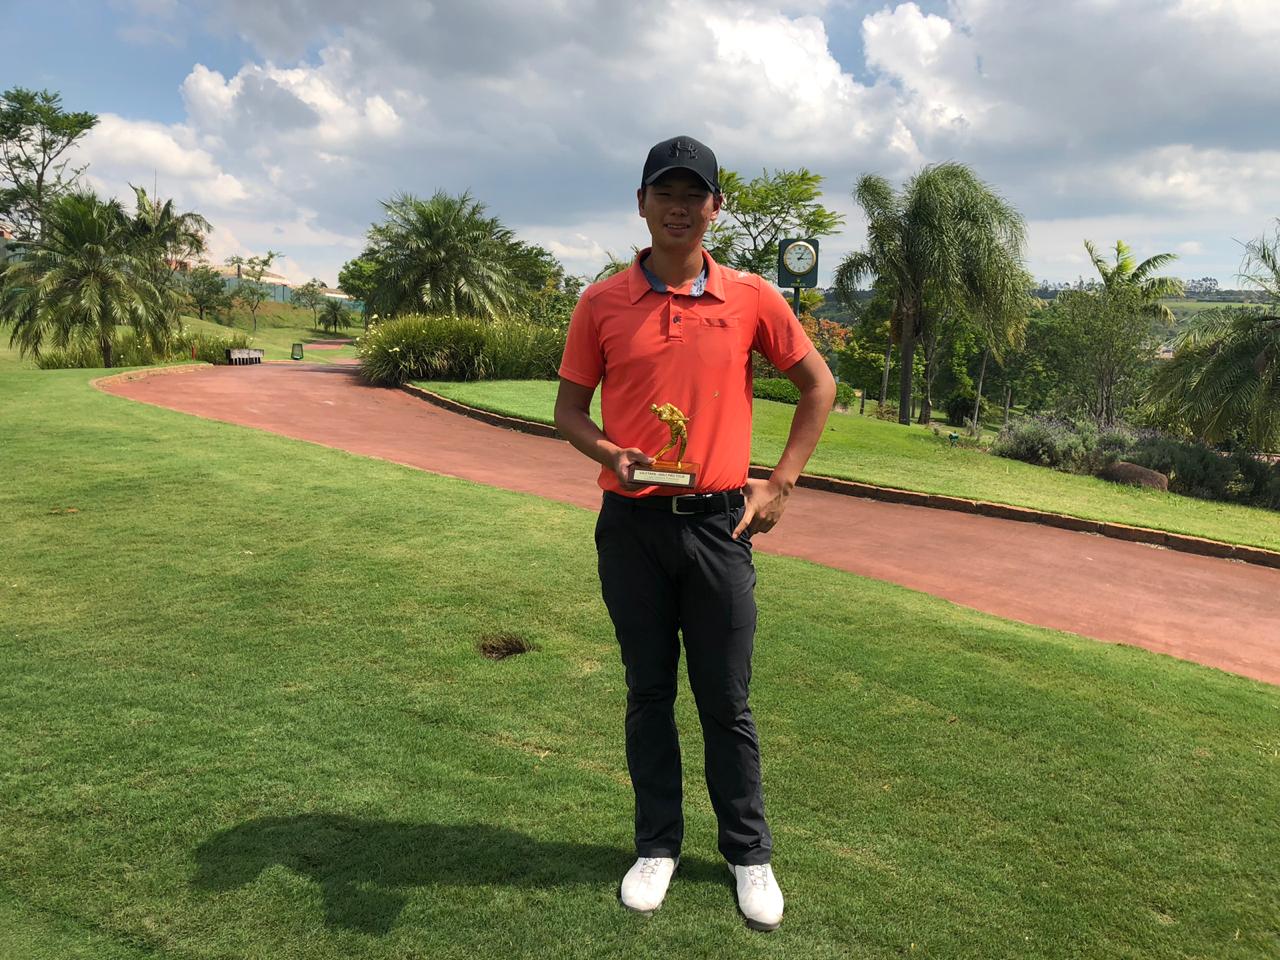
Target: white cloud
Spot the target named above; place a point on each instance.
(125, 151)
(1145, 116)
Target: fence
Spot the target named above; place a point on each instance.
(280, 293)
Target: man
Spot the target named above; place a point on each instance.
(677, 329)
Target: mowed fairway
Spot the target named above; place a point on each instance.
(245, 716)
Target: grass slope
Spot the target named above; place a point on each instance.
(862, 448)
(280, 325)
(245, 717)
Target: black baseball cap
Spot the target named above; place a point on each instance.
(682, 153)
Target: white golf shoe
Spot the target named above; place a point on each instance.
(645, 884)
(759, 897)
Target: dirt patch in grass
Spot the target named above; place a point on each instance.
(499, 646)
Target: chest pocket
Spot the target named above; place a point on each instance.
(718, 340)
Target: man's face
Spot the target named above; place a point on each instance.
(678, 208)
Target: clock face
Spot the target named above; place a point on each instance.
(800, 258)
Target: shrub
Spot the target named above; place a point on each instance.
(1256, 481)
(419, 347)
(1192, 468)
(775, 388)
(1115, 444)
(1049, 443)
(959, 408)
(784, 391)
(523, 351)
(130, 351)
(209, 348)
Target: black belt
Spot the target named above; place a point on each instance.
(685, 504)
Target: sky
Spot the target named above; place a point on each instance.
(286, 122)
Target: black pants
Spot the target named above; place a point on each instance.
(663, 574)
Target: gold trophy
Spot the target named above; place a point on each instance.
(669, 473)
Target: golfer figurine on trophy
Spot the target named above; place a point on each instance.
(669, 473)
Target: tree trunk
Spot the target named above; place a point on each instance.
(906, 356)
(884, 377)
(105, 341)
(977, 404)
(931, 347)
(1008, 401)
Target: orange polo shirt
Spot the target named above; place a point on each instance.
(648, 347)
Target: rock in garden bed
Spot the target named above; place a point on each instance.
(1130, 473)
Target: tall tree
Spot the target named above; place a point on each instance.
(166, 239)
(1224, 378)
(1127, 274)
(310, 296)
(171, 235)
(334, 315)
(250, 291)
(758, 213)
(1100, 346)
(948, 251)
(873, 317)
(82, 280)
(358, 278)
(206, 290)
(442, 255)
(35, 133)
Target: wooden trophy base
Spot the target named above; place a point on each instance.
(666, 473)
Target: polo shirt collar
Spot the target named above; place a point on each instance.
(638, 283)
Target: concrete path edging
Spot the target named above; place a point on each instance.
(853, 488)
(141, 372)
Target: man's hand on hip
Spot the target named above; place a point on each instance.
(765, 502)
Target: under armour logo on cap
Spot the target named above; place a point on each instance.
(680, 145)
(682, 153)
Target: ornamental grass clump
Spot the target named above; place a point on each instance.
(130, 350)
(522, 351)
(421, 347)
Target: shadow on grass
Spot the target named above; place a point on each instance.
(361, 865)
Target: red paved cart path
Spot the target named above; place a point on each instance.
(1217, 612)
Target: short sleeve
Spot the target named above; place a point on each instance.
(779, 335)
(583, 360)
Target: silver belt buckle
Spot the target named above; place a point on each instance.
(675, 507)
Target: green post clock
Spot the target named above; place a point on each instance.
(798, 265)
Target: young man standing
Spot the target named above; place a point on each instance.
(677, 329)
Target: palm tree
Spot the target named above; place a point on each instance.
(1224, 378)
(174, 236)
(166, 237)
(334, 315)
(948, 252)
(442, 255)
(613, 265)
(1127, 274)
(82, 279)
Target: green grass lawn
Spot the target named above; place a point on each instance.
(245, 716)
(280, 325)
(912, 458)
